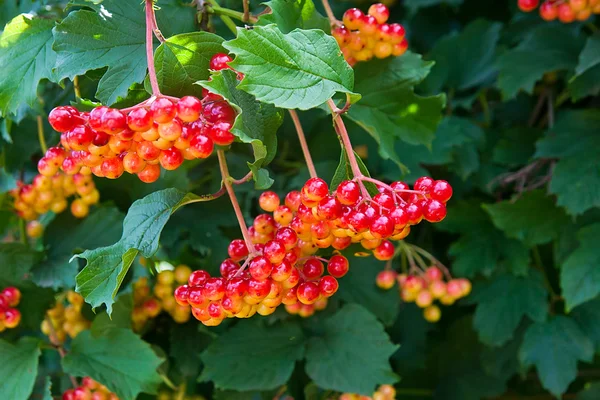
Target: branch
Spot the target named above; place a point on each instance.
(303, 144)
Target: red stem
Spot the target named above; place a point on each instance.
(150, 48)
(303, 144)
(234, 202)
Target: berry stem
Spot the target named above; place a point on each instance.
(41, 138)
(234, 201)
(155, 29)
(215, 8)
(246, 16)
(56, 343)
(76, 87)
(149, 47)
(433, 260)
(332, 19)
(23, 232)
(303, 144)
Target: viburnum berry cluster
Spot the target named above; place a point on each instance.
(51, 193)
(383, 392)
(10, 317)
(89, 390)
(364, 36)
(160, 132)
(62, 321)
(278, 268)
(149, 305)
(565, 11)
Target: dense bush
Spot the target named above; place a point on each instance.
(481, 282)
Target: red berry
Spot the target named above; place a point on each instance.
(198, 278)
(95, 118)
(338, 266)
(528, 5)
(380, 12)
(549, 11)
(268, 201)
(229, 268)
(329, 208)
(219, 62)
(383, 203)
(312, 269)
(565, 13)
(433, 274)
(274, 251)
(12, 317)
(133, 164)
(201, 146)
(189, 108)
(113, 121)
(259, 289)
(315, 189)
(260, 268)
(62, 119)
(181, 295)
(220, 134)
(454, 289)
(441, 191)
(348, 193)
(382, 227)
(100, 139)
(214, 288)
(112, 168)
(287, 236)
(163, 110)
(352, 18)
(149, 174)
(424, 184)
(236, 288)
(219, 111)
(171, 158)
(195, 296)
(308, 292)
(434, 211)
(386, 279)
(147, 151)
(12, 296)
(328, 285)
(385, 251)
(237, 249)
(415, 213)
(293, 200)
(80, 137)
(281, 271)
(140, 120)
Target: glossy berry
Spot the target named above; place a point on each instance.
(237, 249)
(348, 193)
(163, 110)
(139, 120)
(62, 119)
(269, 201)
(352, 18)
(528, 5)
(338, 266)
(380, 12)
(328, 285)
(308, 292)
(385, 251)
(219, 62)
(12, 295)
(434, 211)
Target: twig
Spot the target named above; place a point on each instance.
(155, 29)
(149, 47)
(303, 144)
(234, 202)
(76, 87)
(246, 16)
(332, 19)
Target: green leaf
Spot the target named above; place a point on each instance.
(252, 356)
(19, 368)
(16, 260)
(169, 11)
(106, 267)
(416, 4)
(291, 14)
(184, 59)
(554, 347)
(481, 248)
(587, 73)
(186, 345)
(389, 109)
(120, 318)
(460, 139)
(336, 360)
(66, 235)
(256, 123)
(269, 57)
(498, 315)
(576, 176)
(533, 218)
(549, 48)
(358, 286)
(587, 316)
(516, 146)
(344, 172)
(26, 58)
(119, 359)
(466, 59)
(580, 275)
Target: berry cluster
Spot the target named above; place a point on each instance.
(145, 306)
(9, 315)
(66, 320)
(384, 392)
(89, 390)
(347, 216)
(279, 269)
(163, 131)
(166, 281)
(364, 36)
(425, 289)
(306, 310)
(50, 193)
(566, 11)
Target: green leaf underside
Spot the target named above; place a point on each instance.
(554, 348)
(389, 109)
(26, 58)
(18, 368)
(344, 172)
(498, 315)
(119, 359)
(580, 275)
(298, 70)
(252, 356)
(106, 267)
(353, 353)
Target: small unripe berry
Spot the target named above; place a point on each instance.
(386, 279)
(432, 313)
